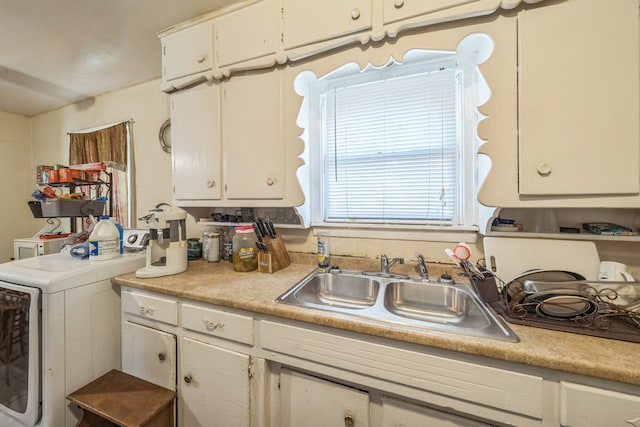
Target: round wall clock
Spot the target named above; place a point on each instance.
(165, 136)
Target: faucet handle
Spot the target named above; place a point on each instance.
(422, 266)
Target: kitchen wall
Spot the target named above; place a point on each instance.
(16, 176)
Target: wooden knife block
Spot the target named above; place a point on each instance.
(276, 258)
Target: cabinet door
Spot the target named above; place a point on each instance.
(187, 52)
(253, 161)
(195, 140)
(579, 98)
(397, 10)
(215, 385)
(577, 408)
(396, 413)
(149, 354)
(313, 402)
(310, 21)
(235, 44)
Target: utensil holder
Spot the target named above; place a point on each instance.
(276, 258)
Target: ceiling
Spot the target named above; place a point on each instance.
(57, 52)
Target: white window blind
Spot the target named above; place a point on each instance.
(391, 147)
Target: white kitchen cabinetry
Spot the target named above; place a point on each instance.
(482, 392)
(314, 402)
(613, 409)
(308, 21)
(235, 44)
(215, 377)
(195, 139)
(215, 385)
(397, 10)
(149, 354)
(397, 412)
(187, 53)
(579, 98)
(252, 135)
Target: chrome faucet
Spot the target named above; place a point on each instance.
(385, 264)
(422, 267)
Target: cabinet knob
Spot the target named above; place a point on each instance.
(201, 58)
(162, 357)
(270, 181)
(348, 420)
(355, 14)
(398, 4)
(188, 378)
(544, 169)
(211, 183)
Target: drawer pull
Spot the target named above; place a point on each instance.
(348, 420)
(211, 325)
(201, 58)
(398, 4)
(355, 14)
(147, 311)
(188, 378)
(162, 357)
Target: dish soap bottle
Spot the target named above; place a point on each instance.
(323, 254)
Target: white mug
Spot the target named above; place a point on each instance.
(614, 271)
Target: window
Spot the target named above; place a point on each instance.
(396, 144)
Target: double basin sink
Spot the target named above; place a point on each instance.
(449, 307)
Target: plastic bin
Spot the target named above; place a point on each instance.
(71, 207)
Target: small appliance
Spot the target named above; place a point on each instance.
(167, 250)
(35, 246)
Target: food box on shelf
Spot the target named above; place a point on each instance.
(72, 207)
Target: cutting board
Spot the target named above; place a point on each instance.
(508, 257)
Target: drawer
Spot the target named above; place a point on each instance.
(218, 323)
(150, 307)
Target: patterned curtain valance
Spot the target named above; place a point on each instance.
(107, 145)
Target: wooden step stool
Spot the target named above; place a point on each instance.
(119, 399)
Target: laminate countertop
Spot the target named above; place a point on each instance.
(217, 283)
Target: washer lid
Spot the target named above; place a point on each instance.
(60, 271)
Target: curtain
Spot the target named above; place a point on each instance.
(107, 145)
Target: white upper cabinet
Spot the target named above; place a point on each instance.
(247, 34)
(253, 158)
(396, 10)
(187, 52)
(579, 98)
(195, 140)
(311, 21)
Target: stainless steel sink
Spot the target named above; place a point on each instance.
(452, 308)
(434, 302)
(338, 290)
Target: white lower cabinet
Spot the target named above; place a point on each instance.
(309, 401)
(400, 413)
(583, 406)
(214, 385)
(234, 368)
(149, 354)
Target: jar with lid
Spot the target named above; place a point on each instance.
(245, 257)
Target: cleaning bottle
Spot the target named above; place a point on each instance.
(323, 253)
(121, 232)
(104, 241)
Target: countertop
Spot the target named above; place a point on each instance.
(217, 283)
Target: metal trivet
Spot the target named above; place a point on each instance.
(591, 311)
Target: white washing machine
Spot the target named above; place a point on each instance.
(59, 330)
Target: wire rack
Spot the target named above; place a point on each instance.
(578, 306)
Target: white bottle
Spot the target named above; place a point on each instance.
(104, 241)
